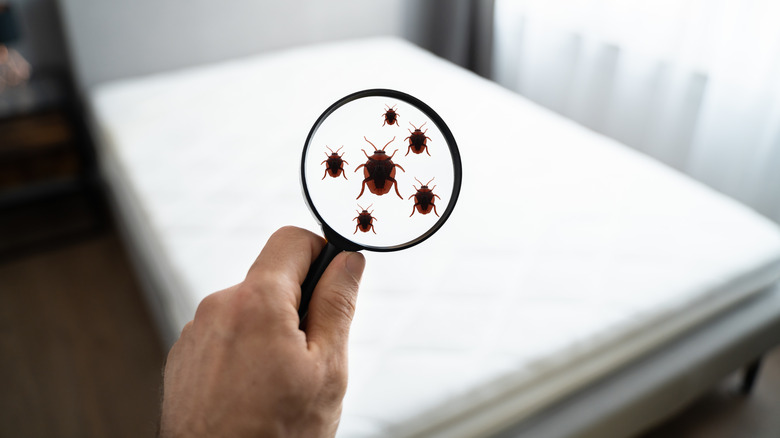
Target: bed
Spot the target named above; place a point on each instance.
(579, 288)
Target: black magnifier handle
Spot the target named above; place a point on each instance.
(328, 253)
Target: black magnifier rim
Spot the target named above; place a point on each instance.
(342, 242)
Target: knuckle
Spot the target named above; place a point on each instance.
(262, 306)
(213, 307)
(267, 282)
(295, 235)
(266, 289)
(187, 327)
(245, 304)
(208, 306)
(288, 231)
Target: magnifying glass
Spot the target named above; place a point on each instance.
(381, 172)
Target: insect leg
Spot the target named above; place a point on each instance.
(356, 227)
(344, 174)
(426, 149)
(434, 209)
(362, 188)
(408, 150)
(326, 174)
(372, 229)
(399, 166)
(395, 183)
(356, 169)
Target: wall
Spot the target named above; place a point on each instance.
(111, 39)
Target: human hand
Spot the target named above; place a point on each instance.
(242, 367)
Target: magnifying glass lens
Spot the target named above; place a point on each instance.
(379, 172)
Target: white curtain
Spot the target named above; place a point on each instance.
(694, 83)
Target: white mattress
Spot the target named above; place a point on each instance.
(567, 256)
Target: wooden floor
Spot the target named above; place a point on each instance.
(79, 356)
(725, 412)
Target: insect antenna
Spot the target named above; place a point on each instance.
(383, 147)
(337, 150)
(415, 128)
(415, 178)
(372, 144)
(331, 150)
(430, 181)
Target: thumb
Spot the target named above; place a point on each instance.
(333, 302)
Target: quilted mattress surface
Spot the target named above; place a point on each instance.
(567, 256)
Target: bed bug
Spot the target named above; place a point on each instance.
(364, 220)
(391, 117)
(379, 171)
(418, 142)
(334, 164)
(423, 199)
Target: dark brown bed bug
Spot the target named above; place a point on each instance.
(423, 199)
(418, 142)
(391, 117)
(379, 171)
(334, 164)
(364, 220)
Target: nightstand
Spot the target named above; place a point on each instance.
(48, 183)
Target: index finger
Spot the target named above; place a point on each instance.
(281, 267)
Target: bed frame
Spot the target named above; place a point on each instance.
(657, 385)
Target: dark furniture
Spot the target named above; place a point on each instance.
(48, 179)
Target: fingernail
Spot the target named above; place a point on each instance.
(355, 264)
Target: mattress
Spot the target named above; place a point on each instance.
(567, 256)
